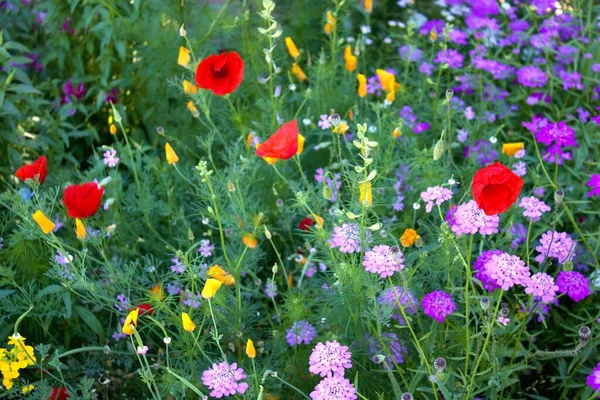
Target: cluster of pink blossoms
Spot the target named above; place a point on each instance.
(542, 286)
(223, 379)
(506, 271)
(557, 245)
(534, 208)
(383, 260)
(470, 219)
(435, 196)
(346, 238)
(330, 360)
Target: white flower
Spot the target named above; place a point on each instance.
(365, 29)
(387, 40)
(372, 129)
(416, 206)
(493, 140)
(292, 87)
(167, 340)
(350, 39)
(306, 121)
(451, 182)
(392, 23)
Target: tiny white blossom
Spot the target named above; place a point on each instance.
(306, 121)
(493, 140)
(292, 87)
(167, 340)
(416, 206)
(372, 129)
(350, 39)
(451, 181)
(387, 40)
(365, 29)
(392, 23)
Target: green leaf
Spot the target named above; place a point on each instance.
(6, 292)
(68, 304)
(50, 289)
(90, 320)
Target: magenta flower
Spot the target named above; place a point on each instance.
(224, 380)
(573, 284)
(542, 286)
(534, 208)
(383, 260)
(480, 270)
(69, 92)
(110, 158)
(435, 196)
(469, 219)
(531, 76)
(594, 183)
(593, 379)
(557, 245)
(330, 358)
(506, 270)
(300, 332)
(451, 57)
(556, 136)
(334, 387)
(438, 305)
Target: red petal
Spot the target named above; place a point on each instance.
(496, 188)
(283, 144)
(36, 170)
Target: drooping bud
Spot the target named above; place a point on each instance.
(585, 333)
(559, 195)
(449, 94)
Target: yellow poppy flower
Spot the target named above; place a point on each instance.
(221, 275)
(188, 324)
(366, 193)
(44, 222)
(368, 6)
(292, 49)
(80, 229)
(362, 85)
(300, 144)
(184, 56)
(510, 149)
(342, 128)
(193, 110)
(318, 220)
(349, 59)
(409, 237)
(131, 319)
(330, 24)
(250, 350)
(249, 240)
(189, 87)
(388, 83)
(113, 129)
(396, 133)
(170, 154)
(211, 287)
(298, 73)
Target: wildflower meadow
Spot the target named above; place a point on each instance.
(300, 199)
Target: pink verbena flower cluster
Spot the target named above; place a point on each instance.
(506, 271)
(330, 358)
(542, 286)
(383, 260)
(533, 207)
(557, 245)
(223, 380)
(435, 196)
(334, 387)
(470, 219)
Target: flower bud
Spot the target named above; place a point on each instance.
(182, 31)
(378, 358)
(559, 195)
(439, 363)
(406, 396)
(484, 303)
(275, 268)
(585, 333)
(230, 186)
(335, 120)
(327, 192)
(438, 150)
(268, 233)
(449, 94)
(504, 312)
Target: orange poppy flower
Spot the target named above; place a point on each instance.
(283, 144)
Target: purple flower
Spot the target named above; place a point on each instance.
(542, 286)
(483, 151)
(191, 300)
(174, 288)
(426, 69)
(330, 358)
(506, 270)
(535, 98)
(451, 57)
(112, 97)
(457, 36)
(531, 76)
(544, 6)
(300, 332)
(392, 296)
(393, 344)
(481, 273)
(383, 260)
(110, 158)
(271, 289)
(573, 284)
(470, 219)
(557, 245)
(566, 54)
(345, 238)
(571, 80)
(534, 208)
(435, 196)
(421, 127)
(118, 335)
(206, 248)
(178, 267)
(69, 92)
(438, 305)
(594, 183)
(556, 136)
(462, 135)
(63, 259)
(593, 379)
(122, 303)
(324, 123)
(410, 53)
(223, 380)
(520, 168)
(334, 387)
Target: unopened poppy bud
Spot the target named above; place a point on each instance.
(449, 94)
(190, 235)
(275, 268)
(559, 195)
(327, 192)
(568, 266)
(335, 119)
(419, 242)
(160, 130)
(438, 150)
(585, 333)
(504, 312)
(484, 303)
(378, 358)
(182, 31)
(116, 115)
(268, 233)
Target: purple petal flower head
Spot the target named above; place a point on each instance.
(451, 57)
(426, 69)
(206, 248)
(330, 358)
(480, 271)
(518, 232)
(61, 258)
(506, 270)
(593, 379)
(438, 305)
(544, 6)
(462, 135)
(531, 76)
(556, 136)
(408, 116)
(191, 300)
(573, 284)
(271, 289)
(470, 219)
(421, 127)
(224, 380)
(435, 196)
(520, 168)
(534, 208)
(122, 304)
(383, 260)
(594, 183)
(542, 286)
(178, 267)
(173, 288)
(566, 54)
(69, 92)
(392, 296)
(433, 25)
(110, 158)
(374, 85)
(483, 152)
(346, 238)
(112, 96)
(324, 123)
(535, 98)
(300, 332)
(334, 387)
(571, 80)
(410, 53)
(457, 36)
(557, 245)
(396, 348)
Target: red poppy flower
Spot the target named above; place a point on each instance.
(36, 170)
(220, 73)
(306, 223)
(145, 308)
(283, 144)
(496, 188)
(59, 393)
(82, 201)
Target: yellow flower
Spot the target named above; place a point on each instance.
(349, 59)
(318, 220)
(396, 133)
(157, 292)
(184, 56)
(250, 350)
(510, 149)
(298, 73)
(131, 319)
(362, 85)
(188, 324)
(433, 35)
(170, 153)
(80, 229)
(342, 128)
(193, 110)
(292, 49)
(330, 24)
(249, 240)
(368, 5)
(211, 286)
(43, 221)
(300, 144)
(27, 389)
(189, 87)
(388, 83)
(113, 129)
(221, 275)
(409, 237)
(366, 194)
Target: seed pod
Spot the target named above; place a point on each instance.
(585, 333)
(484, 303)
(438, 150)
(439, 363)
(559, 195)
(449, 94)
